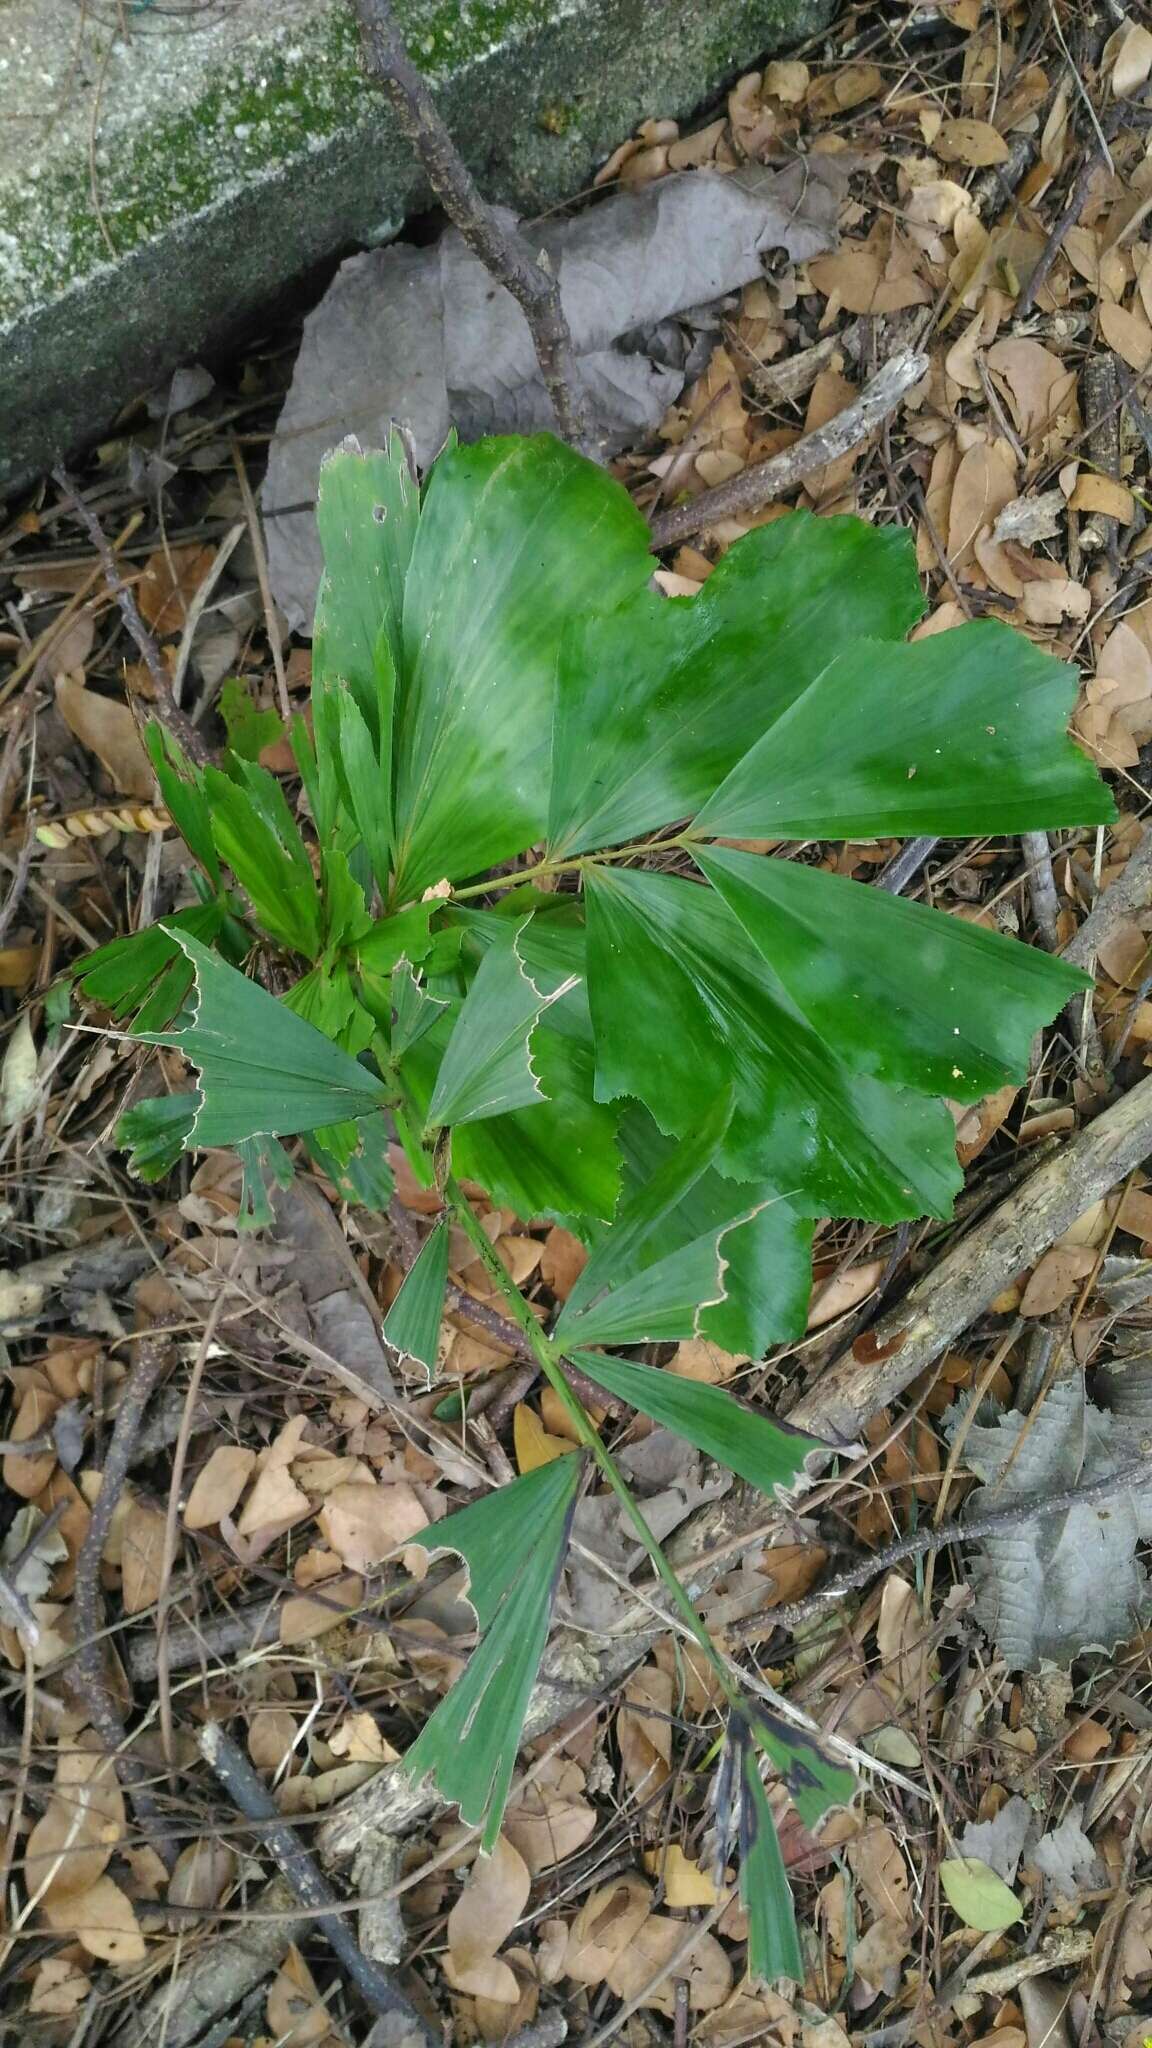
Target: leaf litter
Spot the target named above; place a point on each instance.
(936, 178)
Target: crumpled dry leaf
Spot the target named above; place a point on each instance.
(295, 2011)
(59, 1989)
(71, 1844)
(378, 347)
(218, 1486)
(1067, 1859)
(489, 1907)
(644, 1730)
(605, 1927)
(707, 1970)
(142, 1555)
(1055, 1587)
(102, 1919)
(367, 1522)
(203, 1872)
(108, 729)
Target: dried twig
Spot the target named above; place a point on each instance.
(167, 710)
(971, 1530)
(1132, 890)
(377, 1986)
(504, 253)
(904, 866)
(152, 1360)
(1042, 887)
(755, 487)
(960, 1286)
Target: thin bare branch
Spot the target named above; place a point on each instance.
(503, 252)
(756, 487)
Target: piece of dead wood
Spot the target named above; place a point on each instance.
(90, 1679)
(882, 1363)
(1131, 890)
(217, 1977)
(756, 487)
(1002, 1245)
(376, 1985)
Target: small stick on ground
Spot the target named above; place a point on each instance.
(904, 866)
(376, 1985)
(1042, 887)
(973, 1530)
(756, 487)
(961, 1284)
(1132, 890)
(167, 710)
(152, 1360)
(504, 254)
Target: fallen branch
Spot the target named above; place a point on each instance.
(973, 1530)
(962, 1285)
(248, 1793)
(503, 252)
(1131, 891)
(167, 709)
(756, 487)
(218, 1977)
(152, 1360)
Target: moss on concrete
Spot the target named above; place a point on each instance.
(218, 166)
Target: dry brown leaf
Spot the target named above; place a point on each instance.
(218, 1486)
(101, 1918)
(685, 1884)
(59, 1988)
(707, 1969)
(645, 1738)
(18, 965)
(881, 1872)
(899, 1641)
(975, 143)
(787, 79)
(1037, 385)
(532, 1443)
(359, 1739)
(203, 1872)
(881, 1949)
(296, 2014)
(1050, 600)
(1123, 953)
(843, 1291)
(985, 483)
(852, 275)
(170, 579)
(493, 1899)
(1130, 53)
(142, 1555)
(551, 1820)
(1102, 494)
(562, 1261)
(274, 1505)
(1056, 1278)
(1128, 333)
(271, 1734)
(697, 1358)
(365, 1523)
(28, 1473)
(604, 1927)
(108, 729)
(980, 1121)
(73, 1840)
(305, 1615)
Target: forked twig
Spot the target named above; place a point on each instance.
(503, 252)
